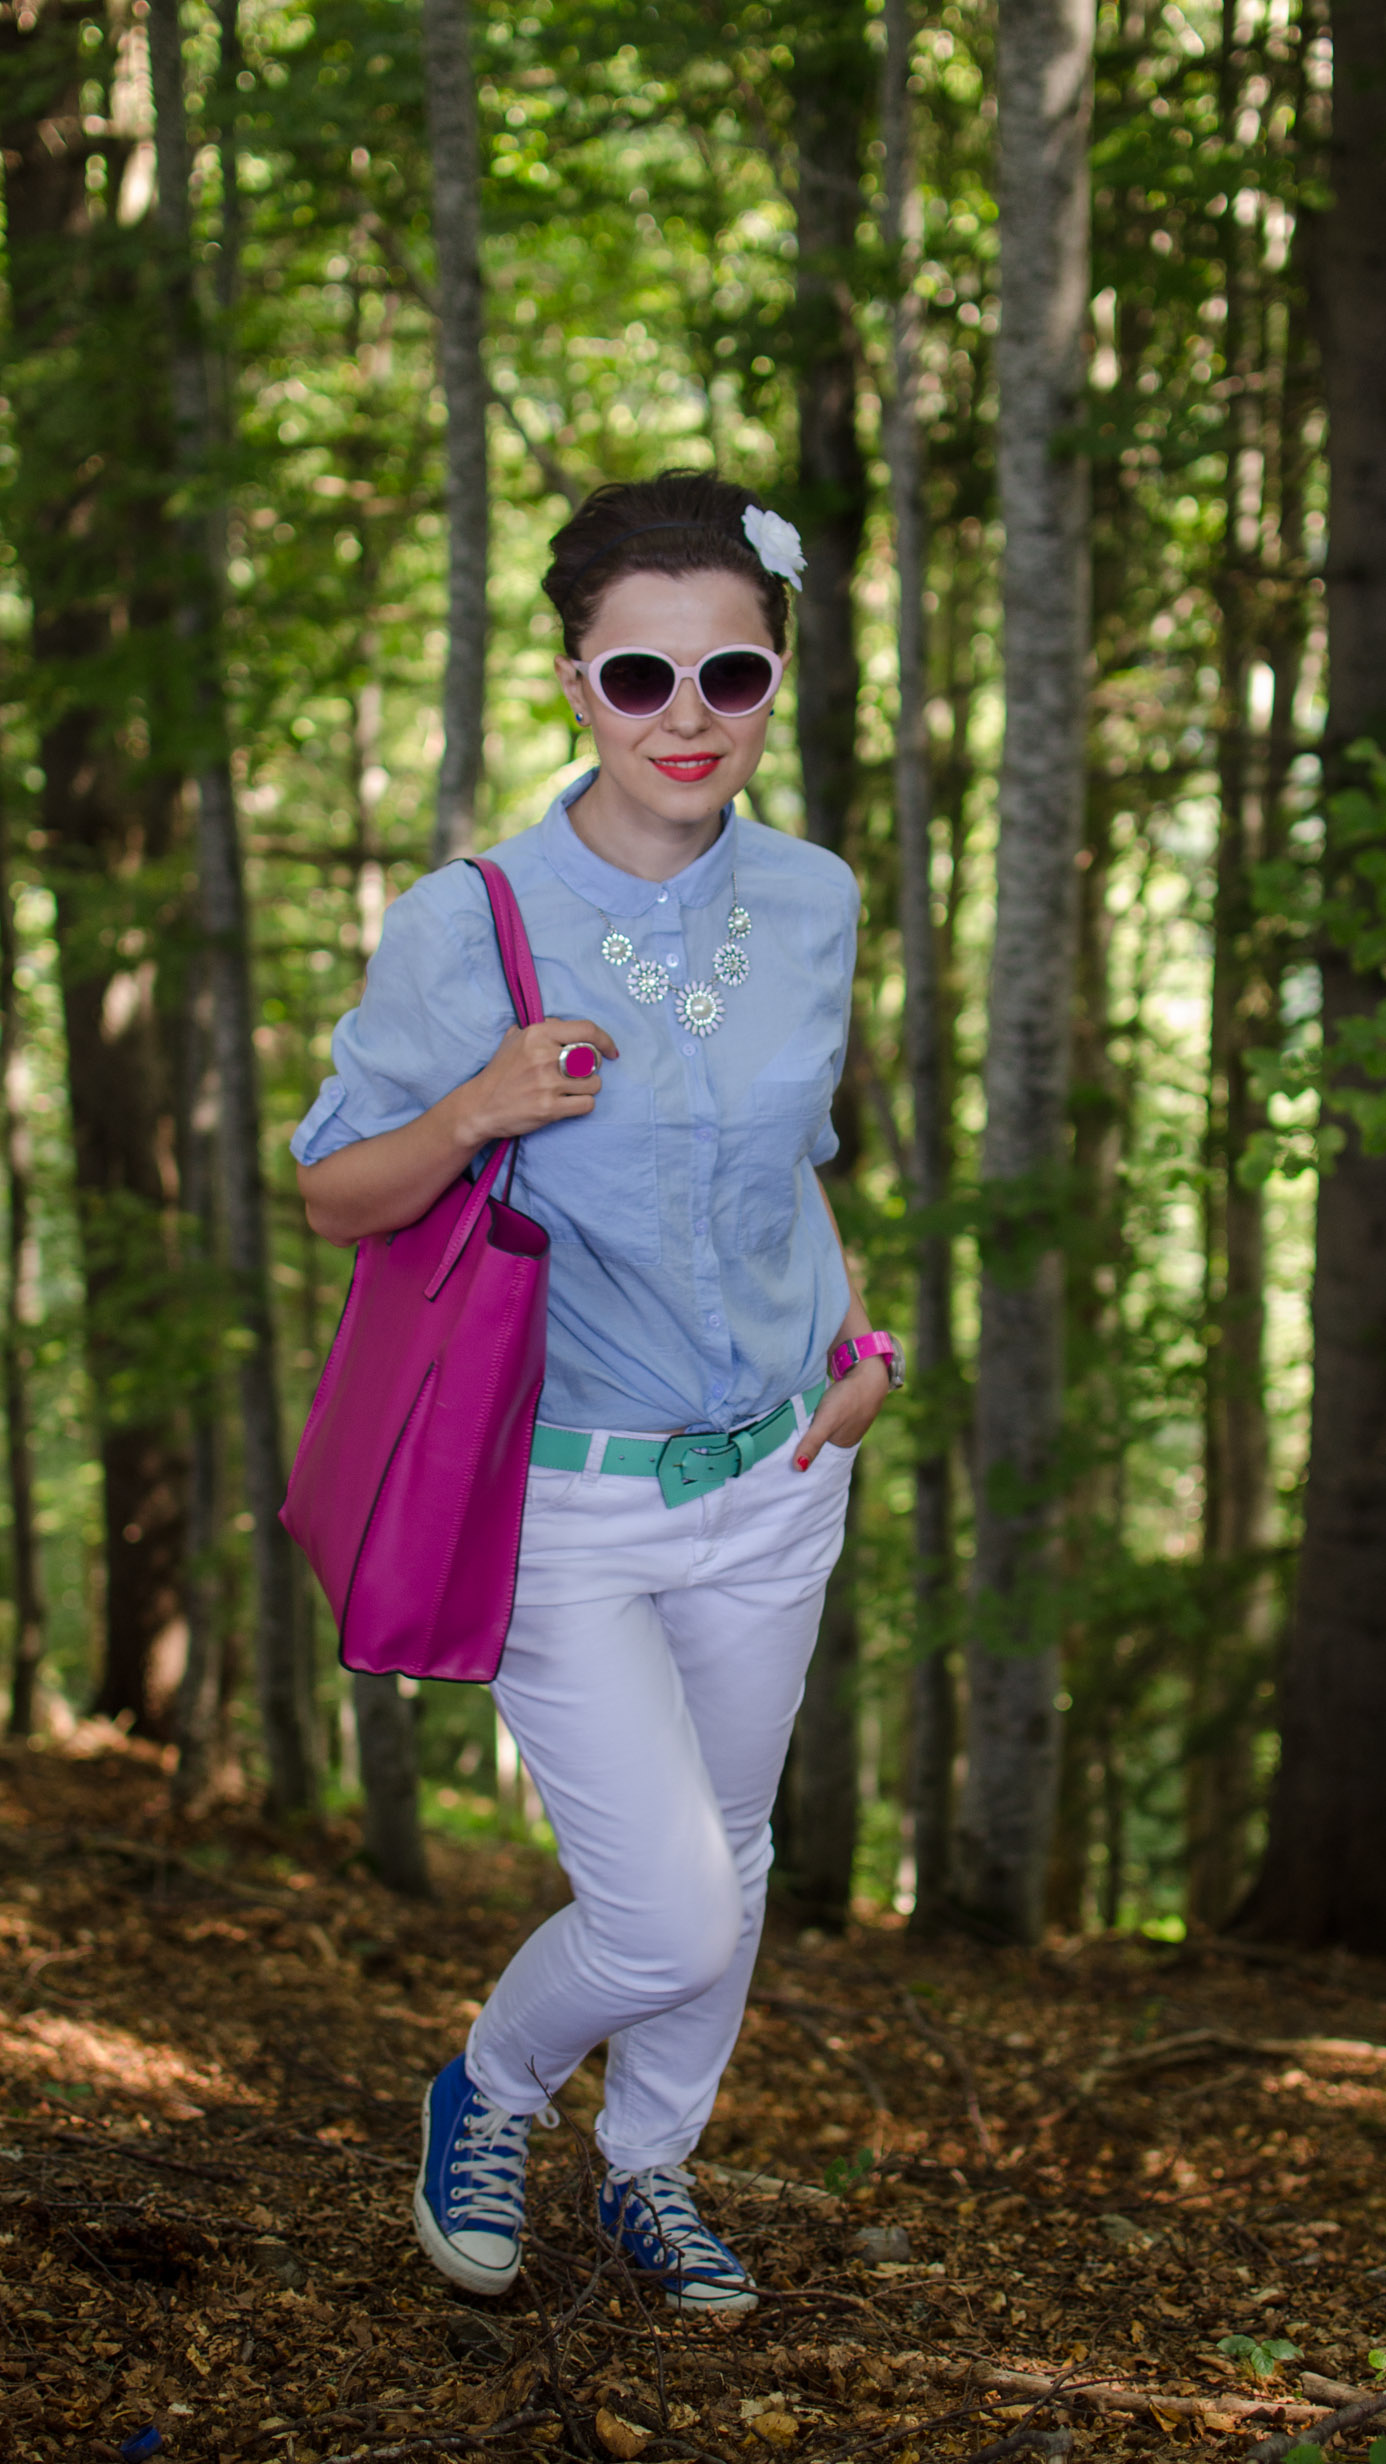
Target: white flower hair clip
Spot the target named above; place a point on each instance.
(776, 543)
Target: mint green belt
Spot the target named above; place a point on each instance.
(686, 1466)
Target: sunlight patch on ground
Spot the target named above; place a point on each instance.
(85, 2053)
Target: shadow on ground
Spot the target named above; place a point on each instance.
(959, 2176)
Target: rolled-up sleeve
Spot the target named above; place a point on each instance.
(825, 1145)
(432, 1013)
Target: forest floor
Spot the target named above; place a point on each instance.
(959, 2176)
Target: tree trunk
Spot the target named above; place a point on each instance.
(284, 1681)
(455, 146)
(1093, 1522)
(386, 1721)
(199, 1712)
(831, 89)
(96, 585)
(1324, 1878)
(20, 1315)
(1044, 72)
(390, 1776)
(931, 1687)
(815, 1821)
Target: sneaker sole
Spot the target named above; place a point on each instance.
(718, 2306)
(436, 2246)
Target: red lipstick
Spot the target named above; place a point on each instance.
(688, 768)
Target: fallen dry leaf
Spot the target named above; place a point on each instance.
(776, 2428)
(621, 2438)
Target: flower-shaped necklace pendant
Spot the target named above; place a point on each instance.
(699, 1008)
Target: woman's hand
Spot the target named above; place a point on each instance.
(523, 1088)
(377, 1184)
(846, 1411)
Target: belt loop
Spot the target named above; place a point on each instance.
(802, 1415)
(596, 1449)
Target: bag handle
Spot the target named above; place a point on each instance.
(516, 958)
(522, 984)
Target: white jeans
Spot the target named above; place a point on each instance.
(651, 1676)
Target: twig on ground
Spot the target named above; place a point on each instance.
(89, 2143)
(562, 2403)
(139, 1852)
(1204, 2044)
(1111, 2396)
(438, 2442)
(957, 2063)
(839, 2052)
(770, 2186)
(1328, 2425)
(1024, 2442)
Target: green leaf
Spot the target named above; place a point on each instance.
(1261, 2359)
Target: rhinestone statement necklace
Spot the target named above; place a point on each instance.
(699, 1008)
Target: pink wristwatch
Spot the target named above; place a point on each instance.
(878, 1346)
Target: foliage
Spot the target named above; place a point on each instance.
(640, 199)
(1261, 2358)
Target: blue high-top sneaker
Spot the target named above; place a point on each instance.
(469, 2200)
(653, 2219)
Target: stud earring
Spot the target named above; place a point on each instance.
(581, 717)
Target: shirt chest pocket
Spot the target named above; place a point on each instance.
(787, 1117)
(593, 1180)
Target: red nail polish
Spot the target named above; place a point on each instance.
(802, 1461)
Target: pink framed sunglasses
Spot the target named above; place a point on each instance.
(637, 684)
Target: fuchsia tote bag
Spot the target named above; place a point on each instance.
(408, 1488)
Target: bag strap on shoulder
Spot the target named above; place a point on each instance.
(515, 955)
(522, 983)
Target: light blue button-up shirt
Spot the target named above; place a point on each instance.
(695, 1280)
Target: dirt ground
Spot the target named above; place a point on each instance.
(958, 2176)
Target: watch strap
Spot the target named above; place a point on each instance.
(877, 1345)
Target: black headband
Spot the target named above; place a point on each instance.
(639, 532)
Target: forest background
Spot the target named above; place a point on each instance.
(318, 320)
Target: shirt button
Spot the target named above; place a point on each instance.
(715, 1393)
(705, 1136)
(663, 899)
(672, 959)
(700, 1227)
(690, 1049)
(713, 1318)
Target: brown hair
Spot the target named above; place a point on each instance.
(680, 522)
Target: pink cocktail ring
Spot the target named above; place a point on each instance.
(579, 1060)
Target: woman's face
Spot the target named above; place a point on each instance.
(688, 761)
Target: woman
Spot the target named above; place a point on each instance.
(689, 1479)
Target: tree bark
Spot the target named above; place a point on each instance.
(390, 1776)
(1324, 1878)
(830, 93)
(284, 1681)
(1044, 76)
(20, 1314)
(830, 83)
(96, 581)
(932, 1722)
(816, 1812)
(456, 150)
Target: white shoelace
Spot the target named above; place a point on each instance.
(491, 2151)
(665, 2190)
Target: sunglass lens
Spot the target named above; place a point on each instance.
(735, 681)
(638, 683)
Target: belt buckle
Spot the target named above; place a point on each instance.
(696, 1467)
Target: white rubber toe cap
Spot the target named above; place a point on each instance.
(484, 2262)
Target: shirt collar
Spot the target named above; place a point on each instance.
(607, 888)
